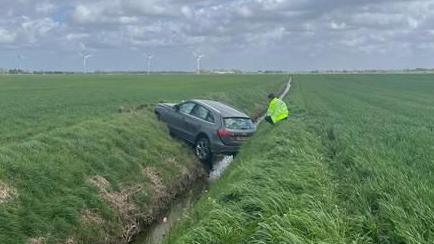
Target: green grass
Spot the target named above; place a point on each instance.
(59, 132)
(354, 165)
(32, 105)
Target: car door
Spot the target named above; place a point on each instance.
(201, 118)
(178, 124)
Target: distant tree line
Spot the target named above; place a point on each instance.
(220, 71)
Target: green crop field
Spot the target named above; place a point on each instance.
(353, 165)
(31, 105)
(75, 170)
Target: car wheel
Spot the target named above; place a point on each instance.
(202, 149)
(171, 133)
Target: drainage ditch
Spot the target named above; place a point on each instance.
(157, 232)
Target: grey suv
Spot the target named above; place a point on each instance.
(212, 127)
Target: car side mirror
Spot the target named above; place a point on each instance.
(176, 107)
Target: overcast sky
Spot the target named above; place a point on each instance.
(244, 34)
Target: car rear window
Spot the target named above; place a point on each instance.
(238, 123)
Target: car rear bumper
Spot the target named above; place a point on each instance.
(220, 148)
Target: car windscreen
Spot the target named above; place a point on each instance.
(238, 123)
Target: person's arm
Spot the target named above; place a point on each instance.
(271, 109)
(269, 112)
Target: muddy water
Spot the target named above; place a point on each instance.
(157, 232)
(219, 168)
(181, 207)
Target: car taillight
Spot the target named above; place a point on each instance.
(224, 133)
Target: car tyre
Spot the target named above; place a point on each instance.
(171, 133)
(158, 116)
(202, 149)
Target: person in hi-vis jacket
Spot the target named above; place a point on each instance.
(277, 110)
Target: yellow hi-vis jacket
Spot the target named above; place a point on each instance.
(277, 110)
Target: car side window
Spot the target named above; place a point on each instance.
(202, 113)
(210, 118)
(186, 108)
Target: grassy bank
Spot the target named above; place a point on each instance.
(277, 191)
(87, 174)
(354, 165)
(91, 181)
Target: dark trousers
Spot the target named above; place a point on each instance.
(269, 120)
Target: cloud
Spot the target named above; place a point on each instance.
(326, 30)
(45, 8)
(7, 36)
(338, 26)
(34, 29)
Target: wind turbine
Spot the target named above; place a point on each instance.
(199, 58)
(20, 60)
(85, 56)
(149, 60)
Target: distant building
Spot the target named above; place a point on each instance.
(226, 71)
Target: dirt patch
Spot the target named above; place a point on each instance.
(90, 218)
(6, 192)
(163, 195)
(157, 184)
(40, 240)
(122, 202)
(172, 161)
(118, 200)
(136, 219)
(70, 240)
(100, 182)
